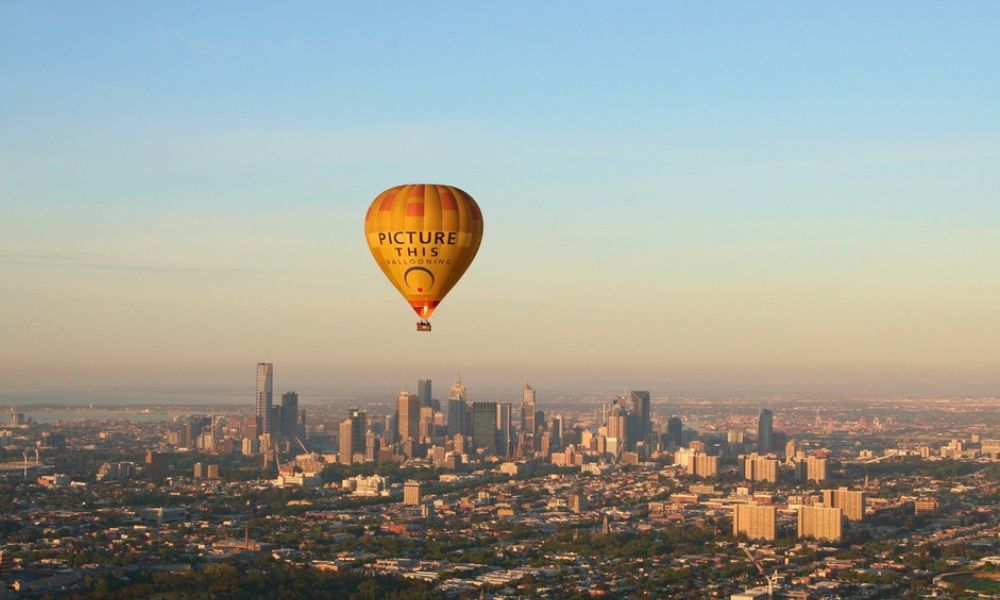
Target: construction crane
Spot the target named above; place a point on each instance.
(772, 580)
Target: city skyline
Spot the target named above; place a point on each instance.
(801, 496)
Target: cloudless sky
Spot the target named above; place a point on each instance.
(675, 194)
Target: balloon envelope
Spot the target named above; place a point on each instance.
(424, 237)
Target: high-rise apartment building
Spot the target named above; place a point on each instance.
(791, 449)
(411, 493)
(760, 468)
(756, 522)
(408, 420)
(265, 396)
(816, 469)
(703, 465)
(820, 523)
(852, 503)
(765, 432)
(484, 426)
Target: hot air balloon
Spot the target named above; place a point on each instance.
(424, 237)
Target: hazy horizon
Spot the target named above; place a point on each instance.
(314, 387)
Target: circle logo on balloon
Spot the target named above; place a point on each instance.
(418, 279)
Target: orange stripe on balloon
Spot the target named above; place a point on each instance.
(387, 201)
(415, 209)
(447, 200)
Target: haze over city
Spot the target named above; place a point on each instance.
(763, 197)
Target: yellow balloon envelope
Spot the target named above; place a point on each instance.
(424, 237)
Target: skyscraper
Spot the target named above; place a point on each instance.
(289, 414)
(391, 428)
(346, 454)
(424, 391)
(640, 408)
(528, 411)
(157, 464)
(426, 424)
(359, 426)
(617, 428)
(456, 416)
(484, 426)
(675, 431)
(457, 409)
(765, 432)
(556, 431)
(352, 438)
(527, 442)
(504, 431)
(408, 422)
(457, 389)
(265, 396)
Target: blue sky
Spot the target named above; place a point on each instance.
(673, 193)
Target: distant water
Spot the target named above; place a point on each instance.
(123, 397)
(96, 414)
